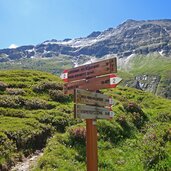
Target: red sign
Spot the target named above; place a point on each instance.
(91, 70)
(93, 84)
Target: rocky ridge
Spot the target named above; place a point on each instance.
(130, 37)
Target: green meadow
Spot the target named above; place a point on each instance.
(35, 114)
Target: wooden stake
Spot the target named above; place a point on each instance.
(91, 145)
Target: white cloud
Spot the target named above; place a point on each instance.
(13, 46)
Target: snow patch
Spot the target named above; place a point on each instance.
(123, 63)
(30, 50)
(13, 46)
(161, 53)
(83, 42)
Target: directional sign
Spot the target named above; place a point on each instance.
(92, 84)
(91, 98)
(91, 70)
(92, 112)
(91, 77)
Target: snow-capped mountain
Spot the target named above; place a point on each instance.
(130, 37)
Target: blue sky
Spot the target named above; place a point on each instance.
(24, 22)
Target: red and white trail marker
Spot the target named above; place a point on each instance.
(64, 76)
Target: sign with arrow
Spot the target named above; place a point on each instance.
(92, 98)
(93, 84)
(91, 70)
(92, 112)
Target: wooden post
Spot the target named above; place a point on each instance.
(91, 145)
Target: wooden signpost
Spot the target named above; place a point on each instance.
(93, 84)
(91, 105)
(92, 112)
(91, 70)
(91, 98)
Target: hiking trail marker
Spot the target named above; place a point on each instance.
(91, 105)
(90, 70)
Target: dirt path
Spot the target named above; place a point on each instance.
(27, 163)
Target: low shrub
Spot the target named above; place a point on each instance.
(2, 86)
(110, 131)
(6, 147)
(36, 103)
(153, 149)
(60, 123)
(132, 107)
(164, 117)
(11, 101)
(77, 134)
(18, 84)
(20, 102)
(167, 136)
(13, 112)
(45, 86)
(26, 133)
(122, 121)
(137, 114)
(58, 95)
(139, 119)
(15, 91)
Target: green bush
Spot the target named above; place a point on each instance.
(26, 133)
(45, 86)
(36, 103)
(20, 102)
(15, 91)
(58, 95)
(7, 147)
(137, 114)
(18, 84)
(77, 134)
(154, 151)
(164, 117)
(109, 131)
(60, 123)
(13, 112)
(127, 126)
(11, 101)
(2, 86)
(132, 107)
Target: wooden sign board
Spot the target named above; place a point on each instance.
(91, 98)
(91, 70)
(93, 84)
(92, 112)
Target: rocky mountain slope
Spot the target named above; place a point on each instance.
(138, 37)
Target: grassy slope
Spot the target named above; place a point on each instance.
(32, 108)
(53, 65)
(134, 139)
(152, 64)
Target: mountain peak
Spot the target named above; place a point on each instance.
(94, 34)
(130, 37)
